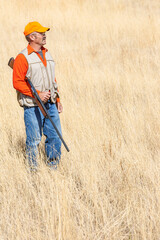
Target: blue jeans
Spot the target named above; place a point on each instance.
(35, 124)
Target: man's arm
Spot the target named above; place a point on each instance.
(20, 68)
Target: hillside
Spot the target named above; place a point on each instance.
(108, 70)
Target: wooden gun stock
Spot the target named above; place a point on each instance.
(11, 62)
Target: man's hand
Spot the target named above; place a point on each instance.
(44, 96)
(59, 107)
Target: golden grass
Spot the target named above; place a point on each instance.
(107, 68)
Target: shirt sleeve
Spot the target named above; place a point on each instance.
(20, 68)
(58, 99)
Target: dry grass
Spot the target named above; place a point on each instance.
(108, 71)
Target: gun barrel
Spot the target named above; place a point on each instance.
(46, 112)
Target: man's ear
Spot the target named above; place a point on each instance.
(32, 37)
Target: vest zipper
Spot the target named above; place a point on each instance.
(48, 78)
(44, 87)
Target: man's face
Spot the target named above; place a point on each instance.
(40, 38)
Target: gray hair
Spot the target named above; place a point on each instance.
(28, 36)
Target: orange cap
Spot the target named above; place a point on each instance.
(34, 27)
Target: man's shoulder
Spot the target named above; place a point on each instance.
(21, 59)
(21, 54)
(24, 51)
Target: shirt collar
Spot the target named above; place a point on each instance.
(30, 49)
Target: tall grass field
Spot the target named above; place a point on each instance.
(107, 55)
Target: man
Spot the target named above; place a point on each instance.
(36, 63)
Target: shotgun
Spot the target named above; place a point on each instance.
(40, 104)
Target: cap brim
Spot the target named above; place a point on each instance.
(43, 29)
